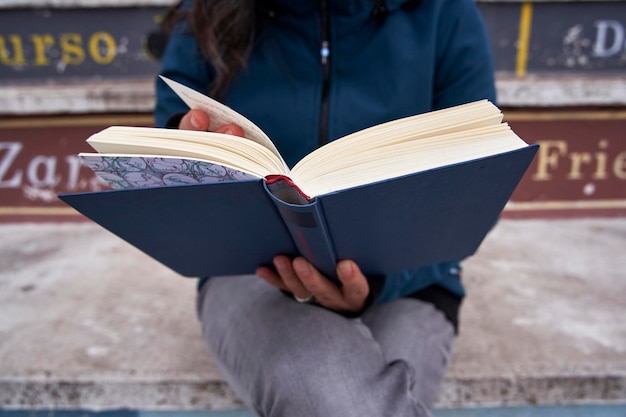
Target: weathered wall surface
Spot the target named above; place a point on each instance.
(71, 67)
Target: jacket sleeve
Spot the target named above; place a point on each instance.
(464, 68)
(182, 62)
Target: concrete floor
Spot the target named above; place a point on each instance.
(88, 322)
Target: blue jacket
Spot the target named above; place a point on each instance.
(406, 58)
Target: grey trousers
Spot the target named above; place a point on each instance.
(283, 358)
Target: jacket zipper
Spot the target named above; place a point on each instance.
(325, 61)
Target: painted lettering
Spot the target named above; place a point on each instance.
(609, 38)
(601, 160)
(74, 166)
(41, 171)
(42, 49)
(72, 52)
(14, 56)
(548, 158)
(102, 48)
(578, 160)
(11, 150)
(554, 155)
(619, 166)
(41, 46)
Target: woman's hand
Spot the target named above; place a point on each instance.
(303, 280)
(196, 119)
(299, 277)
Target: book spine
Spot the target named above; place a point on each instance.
(305, 222)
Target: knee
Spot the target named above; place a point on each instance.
(305, 388)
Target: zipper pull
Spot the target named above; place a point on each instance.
(324, 52)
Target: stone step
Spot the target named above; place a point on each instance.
(89, 322)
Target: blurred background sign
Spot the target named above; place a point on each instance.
(60, 45)
(565, 38)
(70, 44)
(69, 71)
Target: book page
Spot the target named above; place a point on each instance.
(409, 157)
(220, 114)
(437, 123)
(404, 146)
(139, 171)
(234, 151)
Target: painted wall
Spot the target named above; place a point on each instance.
(561, 71)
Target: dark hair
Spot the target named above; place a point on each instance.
(224, 30)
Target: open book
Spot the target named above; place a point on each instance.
(402, 194)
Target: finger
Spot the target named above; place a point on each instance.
(323, 289)
(271, 277)
(355, 288)
(231, 129)
(195, 119)
(290, 278)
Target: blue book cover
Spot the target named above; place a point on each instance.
(233, 227)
